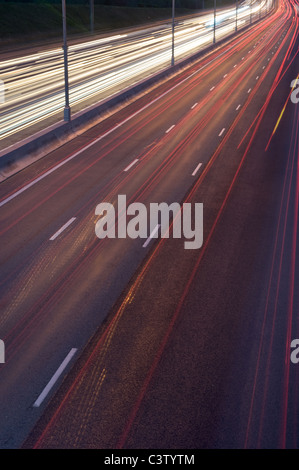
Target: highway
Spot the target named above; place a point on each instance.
(141, 343)
(34, 83)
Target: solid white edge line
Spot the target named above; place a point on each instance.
(151, 236)
(196, 169)
(112, 129)
(62, 228)
(131, 164)
(54, 379)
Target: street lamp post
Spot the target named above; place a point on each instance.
(67, 109)
(91, 8)
(260, 11)
(214, 34)
(172, 47)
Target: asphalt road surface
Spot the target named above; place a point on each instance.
(142, 343)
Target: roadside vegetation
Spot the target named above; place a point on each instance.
(40, 20)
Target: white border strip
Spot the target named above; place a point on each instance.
(196, 169)
(151, 236)
(62, 228)
(54, 379)
(131, 164)
(170, 129)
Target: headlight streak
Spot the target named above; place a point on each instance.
(99, 68)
